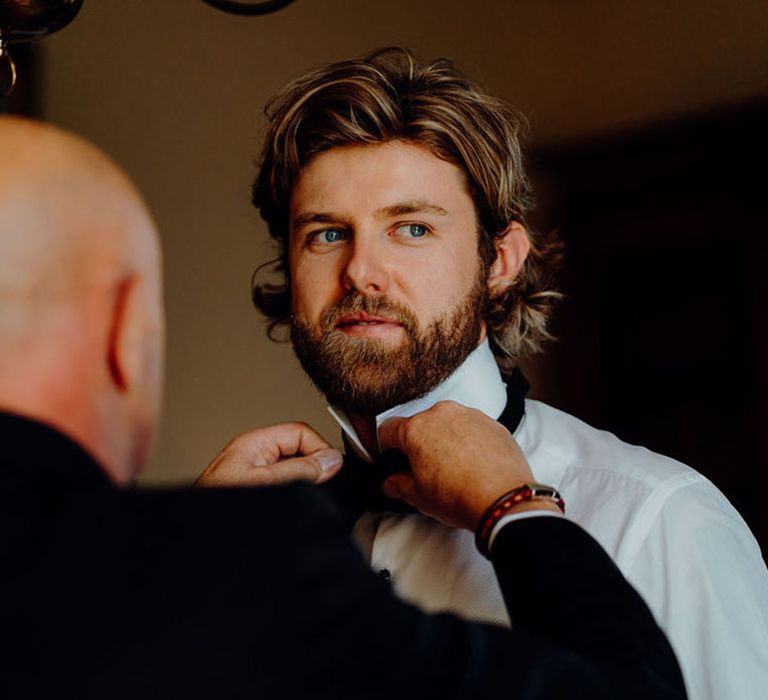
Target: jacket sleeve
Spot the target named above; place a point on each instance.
(562, 589)
(580, 630)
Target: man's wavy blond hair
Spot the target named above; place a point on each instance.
(388, 95)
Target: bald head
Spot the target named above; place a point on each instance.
(64, 205)
(80, 309)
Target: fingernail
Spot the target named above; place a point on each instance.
(328, 459)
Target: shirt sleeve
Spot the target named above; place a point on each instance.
(704, 579)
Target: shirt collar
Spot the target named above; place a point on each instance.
(477, 383)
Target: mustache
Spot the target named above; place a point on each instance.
(381, 306)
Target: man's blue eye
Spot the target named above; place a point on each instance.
(331, 235)
(414, 230)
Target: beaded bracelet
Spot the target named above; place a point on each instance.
(501, 507)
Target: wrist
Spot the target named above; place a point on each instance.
(538, 504)
(528, 497)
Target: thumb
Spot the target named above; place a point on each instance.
(391, 433)
(316, 467)
(328, 461)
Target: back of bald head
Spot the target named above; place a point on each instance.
(64, 206)
(74, 237)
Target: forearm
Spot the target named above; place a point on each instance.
(562, 589)
(579, 630)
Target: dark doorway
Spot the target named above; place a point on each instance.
(664, 330)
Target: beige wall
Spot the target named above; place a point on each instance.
(174, 89)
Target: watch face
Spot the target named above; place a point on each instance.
(548, 492)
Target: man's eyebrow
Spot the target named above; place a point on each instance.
(316, 217)
(415, 206)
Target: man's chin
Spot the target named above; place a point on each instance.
(366, 394)
(368, 379)
(365, 352)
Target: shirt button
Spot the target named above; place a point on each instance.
(386, 575)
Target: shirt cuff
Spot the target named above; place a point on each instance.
(518, 516)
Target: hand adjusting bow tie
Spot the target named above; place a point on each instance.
(357, 487)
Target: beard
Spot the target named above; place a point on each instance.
(367, 376)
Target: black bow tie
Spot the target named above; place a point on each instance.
(357, 487)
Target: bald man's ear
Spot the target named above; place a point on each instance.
(126, 343)
(511, 251)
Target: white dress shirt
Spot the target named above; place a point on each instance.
(671, 532)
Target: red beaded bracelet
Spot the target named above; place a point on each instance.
(501, 507)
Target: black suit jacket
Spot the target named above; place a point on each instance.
(107, 593)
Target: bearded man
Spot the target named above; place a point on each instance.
(398, 198)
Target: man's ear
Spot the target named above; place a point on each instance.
(511, 251)
(125, 350)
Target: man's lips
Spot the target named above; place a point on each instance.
(359, 321)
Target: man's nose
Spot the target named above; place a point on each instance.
(366, 270)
